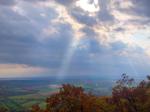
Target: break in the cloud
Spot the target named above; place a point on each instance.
(74, 37)
(17, 70)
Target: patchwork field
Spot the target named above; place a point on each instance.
(18, 95)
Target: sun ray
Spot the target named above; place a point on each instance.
(66, 61)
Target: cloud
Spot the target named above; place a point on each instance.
(26, 42)
(104, 14)
(88, 6)
(38, 35)
(20, 70)
(142, 7)
(65, 2)
(83, 18)
(7, 2)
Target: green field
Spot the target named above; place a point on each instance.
(17, 96)
(26, 99)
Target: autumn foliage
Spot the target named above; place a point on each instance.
(129, 98)
(126, 97)
(70, 99)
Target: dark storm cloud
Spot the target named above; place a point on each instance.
(104, 14)
(66, 3)
(139, 8)
(83, 17)
(142, 7)
(13, 2)
(82, 60)
(89, 32)
(21, 39)
(119, 29)
(96, 59)
(26, 49)
(7, 2)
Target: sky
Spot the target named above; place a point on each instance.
(74, 38)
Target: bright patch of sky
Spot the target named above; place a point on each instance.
(88, 5)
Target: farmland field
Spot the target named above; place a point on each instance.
(18, 95)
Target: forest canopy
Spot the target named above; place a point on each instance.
(126, 97)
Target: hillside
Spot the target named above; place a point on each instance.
(126, 96)
(18, 95)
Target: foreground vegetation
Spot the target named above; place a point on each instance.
(20, 95)
(126, 97)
